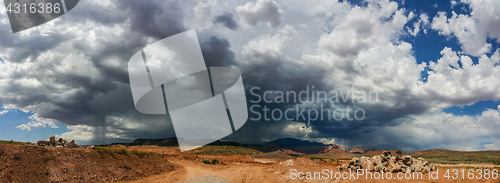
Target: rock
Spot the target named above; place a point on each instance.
(389, 163)
(397, 168)
(393, 159)
(369, 167)
(408, 170)
(352, 167)
(406, 158)
(43, 143)
(72, 144)
(343, 167)
(357, 163)
(64, 143)
(53, 140)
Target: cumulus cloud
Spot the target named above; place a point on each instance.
(38, 122)
(364, 51)
(421, 23)
(262, 11)
(472, 31)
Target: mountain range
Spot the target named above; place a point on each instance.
(290, 146)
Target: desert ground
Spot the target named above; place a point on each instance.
(150, 163)
(239, 168)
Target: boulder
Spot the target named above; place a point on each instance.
(389, 163)
(53, 140)
(379, 168)
(343, 167)
(43, 143)
(64, 143)
(393, 159)
(72, 144)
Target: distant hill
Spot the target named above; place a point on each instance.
(158, 142)
(289, 146)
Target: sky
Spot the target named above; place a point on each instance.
(433, 64)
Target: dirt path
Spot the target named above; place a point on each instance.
(234, 172)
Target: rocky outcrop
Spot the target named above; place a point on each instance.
(52, 142)
(389, 163)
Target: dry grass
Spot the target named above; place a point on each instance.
(226, 150)
(458, 157)
(122, 151)
(11, 142)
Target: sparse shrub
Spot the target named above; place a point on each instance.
(100, 150)
(206, 161)
(136, 152)
(110, 151)
(215, 161)
(123, 151)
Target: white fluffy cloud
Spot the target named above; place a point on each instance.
(262, 11)
(472, 31)
(38, 122)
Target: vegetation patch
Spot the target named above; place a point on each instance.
(11, 142)
(102, 151)
(460, 157)
(226, 150)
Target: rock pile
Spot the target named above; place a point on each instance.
(388, 163)
(52, 142)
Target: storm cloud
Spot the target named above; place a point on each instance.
(73, 70)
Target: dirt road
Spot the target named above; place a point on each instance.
(235, 172)
(277, 172)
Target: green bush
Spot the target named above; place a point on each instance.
(215, 161)
(206, 161)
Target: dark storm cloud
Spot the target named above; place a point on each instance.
(226, 19)
(105, 36)
(17, 48)
(216, 50)
(108, 54)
